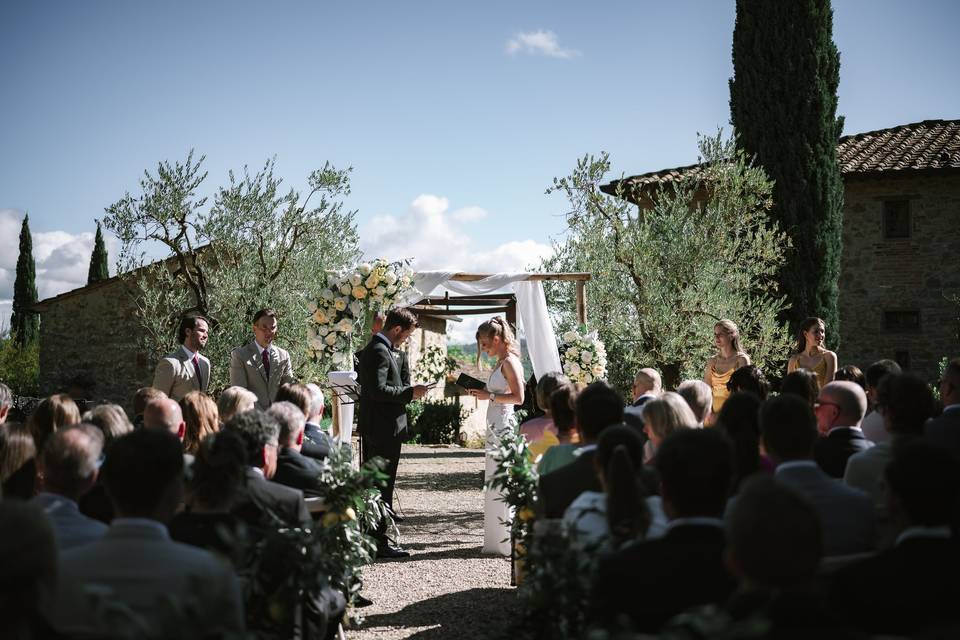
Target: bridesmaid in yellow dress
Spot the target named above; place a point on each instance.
(811, 354)
(720, 367)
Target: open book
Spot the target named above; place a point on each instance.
(469, 382)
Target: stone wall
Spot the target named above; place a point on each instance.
(914, 274)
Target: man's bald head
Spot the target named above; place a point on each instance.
(647, 380)
(850, 399)
(164, 414)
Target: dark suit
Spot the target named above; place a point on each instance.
(649, 582)
(316, 443)
(832, 452)
(562, 486)
(264, 504)
(297, 471)
(944, 431)
(385, 392)
(902, 590)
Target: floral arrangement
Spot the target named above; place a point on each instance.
(434, 364)
(584, 357)
(515, 475)
(350, 297)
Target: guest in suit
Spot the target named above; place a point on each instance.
(647, 385)
(646, 583)
(261, 366)
(384, 395)
(6, 402)
(186, 369)
(263, 503)
(872, 425)
(597, 407)
(164, 414)
(839, 408)
(910, 589)
(309, 399)
(945, 430)
(68, 469)
(293, 468)
(28, 557)
(141, 398)
(135, 577)
(846, 515)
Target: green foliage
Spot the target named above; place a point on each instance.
(437, 421)
(25, 323)
(516, 477)
(20, 366)
(434, 364)
(663, 276)
(783, 105)
(99, 262)
(254, 247)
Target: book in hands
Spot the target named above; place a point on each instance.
(469, 382)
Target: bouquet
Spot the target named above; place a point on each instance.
(584, 357)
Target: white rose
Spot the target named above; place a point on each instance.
(405, 281)
(345, 325)
(391, 289)
(359, 293)
(573, 352)
(380, 291)
(345, 288)
(588, 378)
(586, 357)
(327, 294)
(574, 369)
(390, 277)
(365, 269)
(331, 339)
(356, 308)
(355, 280)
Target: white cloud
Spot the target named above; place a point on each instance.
(469, 214)
(539, 43)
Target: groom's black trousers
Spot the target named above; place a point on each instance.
(388, 448)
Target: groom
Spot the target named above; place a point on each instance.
(382, 414)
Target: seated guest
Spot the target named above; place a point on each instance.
(18, 463)
(234, 400)
(664, 415)
(140, 399)
(944, 430)
(621, 507)
(293, 469)
(263, 503)
(68, 467)
(317, 443)
(839, 409)
(200, 419)
(852, 373)
(112, 421)
(540, 432)
(598, 407)
(646, 583)
(750, 378)
(28, 570)
(802, 383)
(739, 420)
(135, 572)
(219, 472)
(873, 425)
(164, 414)
(647, 385)
(562, 412)
(906, 404)
(910, 590)
(52, 413)
(789, 432)
(699, 397)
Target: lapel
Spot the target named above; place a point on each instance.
(188, 362)
(258, 361)
(394, 365)
(205, 371)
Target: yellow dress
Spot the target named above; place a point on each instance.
(718, 382)
(821, 371)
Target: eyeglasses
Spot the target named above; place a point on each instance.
(820, 403)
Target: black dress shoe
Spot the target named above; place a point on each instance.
(360, 601)
(397, 518)
(390, 552)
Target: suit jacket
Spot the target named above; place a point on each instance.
(902, 589)
(384, 394)
(944, 431)
(246, 370)
(70, 527)
(264, 504)
(559, 488)
(142, 576)
(175, 374)
(297, 471)
(847, 515)
(316, 443)
(650, 582)
(832, 452)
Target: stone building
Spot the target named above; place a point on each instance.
(900, 266)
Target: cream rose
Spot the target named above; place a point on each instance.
(359, 293)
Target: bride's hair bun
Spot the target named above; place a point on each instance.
(497, 326)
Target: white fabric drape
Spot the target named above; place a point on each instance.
(531, 309)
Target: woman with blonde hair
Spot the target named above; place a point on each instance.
(664, 415)
(51, 414)
(730, 357)
(505, 389)
(235, 400)
(811, 354)
(112, 421)
(201, 417)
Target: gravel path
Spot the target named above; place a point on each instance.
(445, 589)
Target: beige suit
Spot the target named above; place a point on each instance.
(246, 370)
(176, 377)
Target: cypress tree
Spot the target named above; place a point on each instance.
(98, 260)
(25, 323)
(783, 105)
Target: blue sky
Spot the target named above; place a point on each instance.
(453, 132)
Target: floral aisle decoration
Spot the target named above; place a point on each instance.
(584, 356)
(516, 477)
(351, 297)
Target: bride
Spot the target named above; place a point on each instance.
(504, 389)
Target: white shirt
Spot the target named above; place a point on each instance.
(190, 354)
(262, 349)
(793, 464)
(836, 428)
(698, 521)
(923, 532)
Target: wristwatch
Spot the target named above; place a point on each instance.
(493, 396)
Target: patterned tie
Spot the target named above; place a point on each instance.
(266, 361)
(196, 367)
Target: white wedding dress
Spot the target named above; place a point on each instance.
(496, 534)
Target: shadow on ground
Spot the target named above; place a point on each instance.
(442, 453)
(474, 613)
(446, 481)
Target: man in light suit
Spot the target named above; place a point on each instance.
(261, 366)
(135, 581)
(847, 515)
(186, 369)
(944, 430)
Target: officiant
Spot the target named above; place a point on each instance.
(385, 391)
